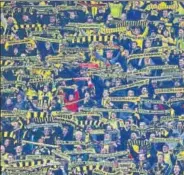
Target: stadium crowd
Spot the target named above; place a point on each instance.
(90, 88)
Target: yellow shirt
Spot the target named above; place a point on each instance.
(180, 9)
(140, 38)
(167, 41)
(30, 93)
(116, 10)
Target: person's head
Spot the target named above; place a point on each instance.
(125, 106)
(179, 125)
(165, 13)
(18, 149)
(72, 15)
(134, 45)
(19, 98)
(160, 158)
(10, 20)
(127, 124)
(118, 82)
(147, 61)
(29, 47)
(15, 125)
(109, 127)
(71, 97)
(123, 17)
(89, 129)
(179, 94)
(45, 88)
(107, 83)
(142, 125)
(50, 172)
(137, 3)
(52, 19)
(25, 18)
(177, 168)
(101, 10)
(10, 158)
(89, 117)
(9, 101)
(65, 130)
(113, 115)
(15, 51)
(131, 93)
(155, 118)
(7, 142)
(104, 151)
(54, 102)
(109, 54)
(107, 137)
(144, 90)
(109, 18)
(155, 107)
(47, 45)
(137, 31)
(40, 140)
(166, 33)
(141, 157)
(181, 63)
(126, 53)
(153, 34)
(165, 148)
(46, 131)
(148, 43)
(133, 136)
(170, 125)
(89, 19)
(180, 32)
(35, 102)
(87, 95)
(78, 135)
(2, 149)
(152, 136)
(105, 93)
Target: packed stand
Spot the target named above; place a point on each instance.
(92, 88)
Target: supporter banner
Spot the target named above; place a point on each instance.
(173, 100)
(86, 25)
(109, 155)
(129, 99)
(168, 140)
(45, 157)
(144, 111)
(61, 154)
(68, 8)
(162, 7)
(17, 42)
(107, 110)
(121, 26)
(47, 39)
(32, 125)
(162, 67)
(152, 101)
(168, 118)
(152, 54)
(40, 144)
(87, 151)
(89, 39)
(82, 163)
(169, 90)
(135, 84)
(71, 142)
